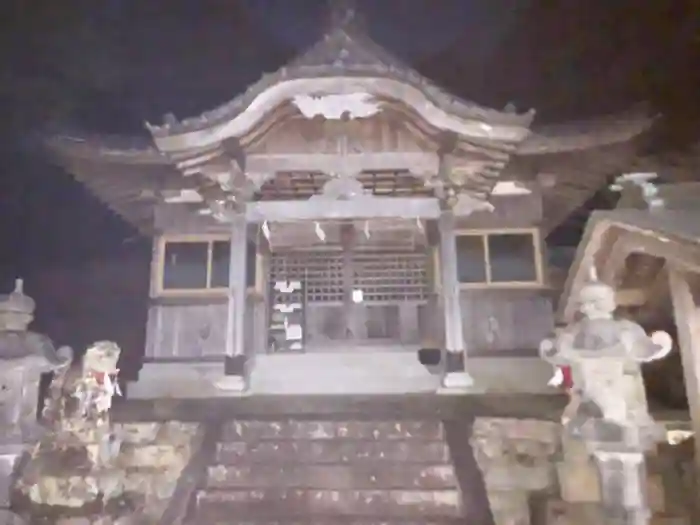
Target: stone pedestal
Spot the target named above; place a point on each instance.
(515, 459)
(623, 486)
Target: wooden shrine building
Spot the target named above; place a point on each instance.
(333, 248)
(346, 214)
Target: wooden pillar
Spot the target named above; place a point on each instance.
(686, 311)
(614, 265)
(347, 239)
(235, 358)
(262, 287)
(455, 355)
(433, 328)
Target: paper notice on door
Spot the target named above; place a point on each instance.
(287, 308)
(293, 332)
(287, 286)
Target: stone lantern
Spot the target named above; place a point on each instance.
(608, 412)
(24, 357)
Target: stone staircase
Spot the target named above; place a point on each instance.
(308, 471)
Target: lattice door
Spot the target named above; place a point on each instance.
(391, 277)
(383, 276)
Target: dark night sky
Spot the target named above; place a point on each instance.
(108, 65)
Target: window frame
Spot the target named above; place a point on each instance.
(158, 269)
(488, 283)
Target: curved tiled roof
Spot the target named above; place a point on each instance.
(344, 54)
(584, 134)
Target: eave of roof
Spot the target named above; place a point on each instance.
(577, 138)
(587, 134)
(543, 140)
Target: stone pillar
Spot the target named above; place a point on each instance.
(515, 459)
(685, 298)
(456, 375)
(24, 357)
(236, 359)
(623, 486)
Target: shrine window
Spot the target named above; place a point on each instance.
(499, 258)
(190, 265)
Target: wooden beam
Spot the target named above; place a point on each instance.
(367, 207)
(614, 264)
(684, 255)
(420, 162)
(361, 208)
(631, 297)
(686, 311)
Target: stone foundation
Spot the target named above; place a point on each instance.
(516, 459)
(151, 460)
(670, 488)
(533, 478)
(302, 469)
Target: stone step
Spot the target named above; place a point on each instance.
(339, 451)
(318, 503)
(661, 519)
(334, 477)
(335, 520)
(245, 430)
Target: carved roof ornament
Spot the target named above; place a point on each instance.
(603, 355)
(445, 184)
(344, 14)
(343, 185)
(343, 188)
(644, 182)
(338, 107)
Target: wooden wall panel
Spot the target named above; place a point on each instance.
(384, 132)
(195, 330)
(513, 321)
